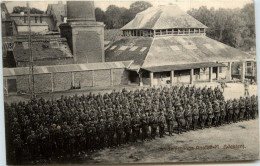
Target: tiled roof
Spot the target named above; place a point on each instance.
(127, 49)
(42, 50)
(163, 17)
(65, 68)
(191, 49)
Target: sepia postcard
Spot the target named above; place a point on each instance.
(119, 82)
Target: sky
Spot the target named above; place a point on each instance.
(183, 4)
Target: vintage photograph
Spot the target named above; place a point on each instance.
(115, 82)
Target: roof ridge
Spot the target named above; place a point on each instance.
(147, 53)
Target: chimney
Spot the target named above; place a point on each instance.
(85, 36)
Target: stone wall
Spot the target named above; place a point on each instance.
(63, 81)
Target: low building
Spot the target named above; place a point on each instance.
(64, 77)
(172, 47)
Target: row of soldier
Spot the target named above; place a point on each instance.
(77, 124)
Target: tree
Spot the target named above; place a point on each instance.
(19, 9)
(100, 14)
(138, 7)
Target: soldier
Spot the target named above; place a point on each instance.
(101, 133)
(195, 116)
(223, 112)
(179, 117)
(161, 123)
(170, 120)
(254, 106)
(136, 127)
(32, 143)
(230, 111)
(236, 110)
(242, 106)
(210, 114)
(246, 86)
(119, 129)
(203, 115)
(92, 136)
(216, 113)
(127, 128)
(18, 148)
(153, 123)
(188, 117)
(145, 126)
(110, 128)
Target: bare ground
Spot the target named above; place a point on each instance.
(244, 134)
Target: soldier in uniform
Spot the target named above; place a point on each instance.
(179, 117)
(119, 130)
(101, 133)
(188, 117)
(154, 124)
(127, 128)
(145, 126)
(242, 106)
(32, 143)
(170, 120)
(236, 110)
(92, 136)
(110, 128)
(18, 148)
(136, 127)
(216, 113)
(230, 111)
(161, 123)
(195, 116)
(223, 112)
(210, 114)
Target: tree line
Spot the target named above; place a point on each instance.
(234, 27)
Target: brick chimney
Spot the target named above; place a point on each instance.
(85, 36)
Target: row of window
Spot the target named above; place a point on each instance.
(175, 31)
(36, 19)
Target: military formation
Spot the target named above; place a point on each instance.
(74, 125)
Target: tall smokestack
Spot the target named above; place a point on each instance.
(85, 36)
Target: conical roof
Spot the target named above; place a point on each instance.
(163, 17)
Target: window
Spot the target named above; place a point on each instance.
(248, 64)
(35, 19)
(157, 32)
(169, 31)
(24, 19)
(175, 31)
(164, 32)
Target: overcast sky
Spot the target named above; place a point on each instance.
(183, 4)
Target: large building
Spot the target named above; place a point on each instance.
(169, 46)
(157, 47)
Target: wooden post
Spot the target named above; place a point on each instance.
(243, 71)
(154, 33)
(111, 77)
(72, 79)
(228, 74)
(172, 77)
(160, 32)
(140, 79)
(191, 75)
(52, 83)
(93, 78)
(210, 74)
(151, 79)
(217, 73)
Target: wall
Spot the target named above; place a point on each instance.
(85, 78)
(43, 83)
(102, 78)
(34, 29)
(23, 84)
(62, 81)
